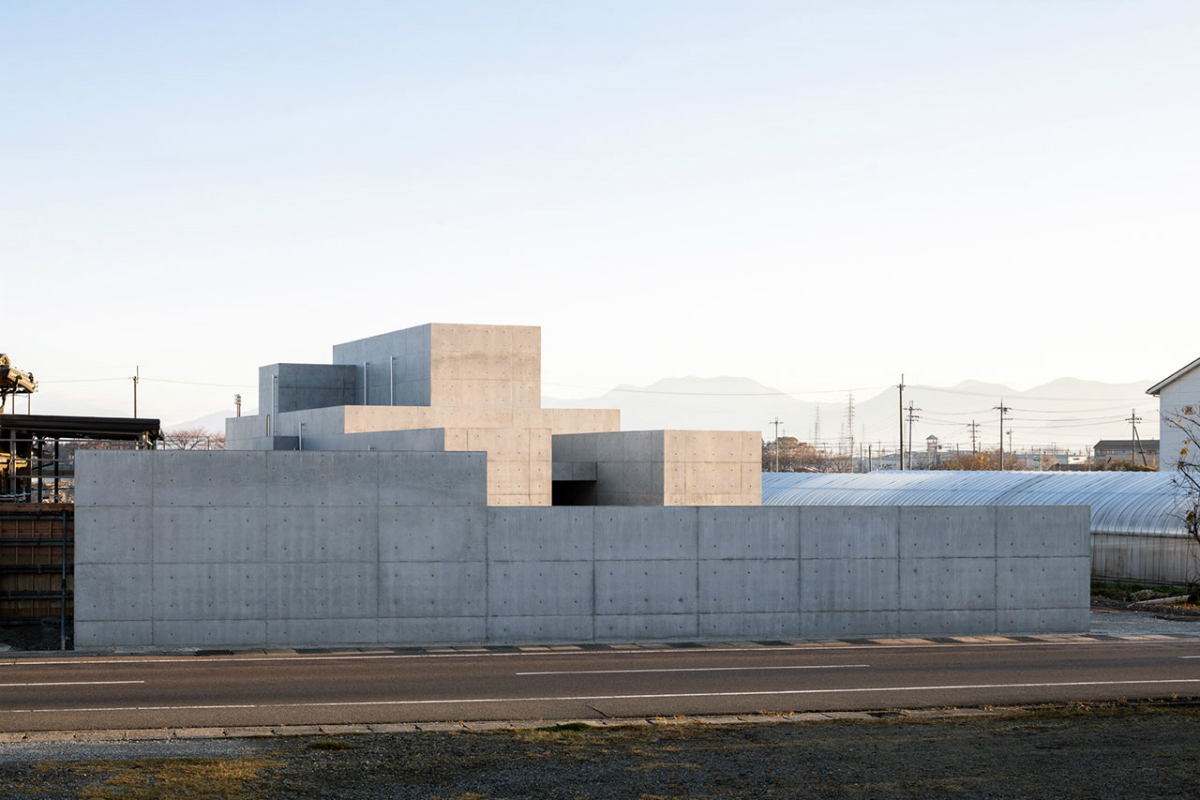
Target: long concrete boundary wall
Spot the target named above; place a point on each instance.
(296, 548)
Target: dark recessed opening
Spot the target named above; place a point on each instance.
(573, 493)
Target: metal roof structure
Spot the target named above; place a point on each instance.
(59, 427)
(1123, 503)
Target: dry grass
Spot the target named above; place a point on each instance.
(171, 777)
(333, 744)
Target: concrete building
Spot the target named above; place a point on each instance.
(373, 502)
(1135, 451)
(1175, 392)
(477, 388)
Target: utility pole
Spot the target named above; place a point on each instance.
(776, 423)
(817, 430)
(1011, 449)
(1003, 409)
(974, 426)
(237, 401)
(137, 371)
(900, 452)
(1133, 420)
(912, 417)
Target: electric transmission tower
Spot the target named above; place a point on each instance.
(850, 426)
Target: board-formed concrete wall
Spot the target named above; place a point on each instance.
(308, 548)
(475, 366)
(292, 387)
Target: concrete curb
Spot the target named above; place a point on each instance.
(260, 732)
(616, 646)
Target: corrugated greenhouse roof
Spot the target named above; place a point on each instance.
(1128, 503)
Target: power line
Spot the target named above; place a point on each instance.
(628, 390)
(1035, 399)
(200, 383)
(143, 378)
(1056, 411)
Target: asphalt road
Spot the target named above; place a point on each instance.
(122, 692)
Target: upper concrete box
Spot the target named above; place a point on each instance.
(466, 366)
(296, 387)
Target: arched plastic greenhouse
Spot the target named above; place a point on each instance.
(1137, 525)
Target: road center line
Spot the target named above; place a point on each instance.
(692, 669)
(69, 683)
(594, 698)
(284, 658)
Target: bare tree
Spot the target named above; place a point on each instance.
(193, 439)
(1187, 467)
(980, 462)
(798, 456)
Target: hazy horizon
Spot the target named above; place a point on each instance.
(823, 196)
(742, 403)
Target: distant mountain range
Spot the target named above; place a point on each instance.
(210, 422)
(1066, 412)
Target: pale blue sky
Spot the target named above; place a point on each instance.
(814, 195)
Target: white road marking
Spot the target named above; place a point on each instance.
(691, 669)
(594, 698)
(69, 683)
(798, 649)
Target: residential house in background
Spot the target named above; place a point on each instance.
(1174, 393)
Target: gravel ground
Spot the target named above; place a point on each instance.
(1094, 752)
(1124, 622)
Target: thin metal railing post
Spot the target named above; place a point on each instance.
(62, 645)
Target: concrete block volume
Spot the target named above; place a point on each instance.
(477, 388)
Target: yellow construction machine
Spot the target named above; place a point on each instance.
(13, 381)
